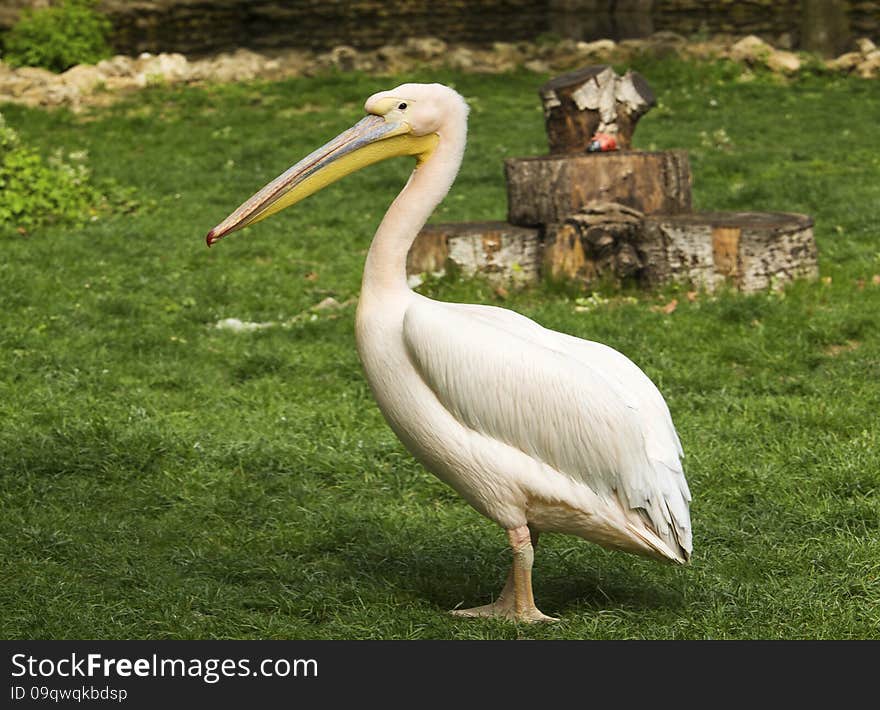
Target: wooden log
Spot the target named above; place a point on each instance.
(751, 251)
(547, 189)
(598, 243)
(502, 252)
(590, 100)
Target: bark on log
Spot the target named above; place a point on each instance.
(547, 189)
(501, 252)
(749, 250)
(578, 104)
(599, 243)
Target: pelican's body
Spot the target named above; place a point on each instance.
(529, 426)
(537, 430)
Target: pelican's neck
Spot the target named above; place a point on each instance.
(385, 268)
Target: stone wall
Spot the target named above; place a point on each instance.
(193, 26)
(202, 26)
(825, 26)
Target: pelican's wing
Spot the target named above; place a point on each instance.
(578, 406)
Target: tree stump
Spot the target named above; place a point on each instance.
(590, 100)
(501, 252)
(598, 243)
(547, 189)
(749, 250)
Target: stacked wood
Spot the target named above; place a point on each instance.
(502, 252)
(750, 251)
(547, 189)
(600, 242)
(614, 215)
(590, 100)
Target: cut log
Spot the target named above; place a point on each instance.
(547, 189)
(599, 243)
(590, 100)
(501, 252)
(748, 250)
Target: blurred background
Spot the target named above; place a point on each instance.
(204, 26)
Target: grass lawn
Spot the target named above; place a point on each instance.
(160, 478)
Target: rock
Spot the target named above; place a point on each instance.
(751, 49)
(508, 51)
(251, 61)
(241, 65)
(11, 85)
(599, 48)
(16, 83)
(392, 58)
(865, 45)
(344, 57)
(291, 63)
(845, 62)
(426, 48)
(59, 93)
(703, 50)
(201, 69)
(35, 76)
(633, 46)
(869, 68)
(486, 62)
(172, 68)
(784, 62)
(341, 58)
(461, 59)
(564, 46)
(33, 97)
(366, 63)
(120, 83)
(539, 66)
(83, 77)
(667, 37)
(120, 65)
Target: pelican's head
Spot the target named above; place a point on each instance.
(407, 120)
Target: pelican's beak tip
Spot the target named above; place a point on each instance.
(212, 237)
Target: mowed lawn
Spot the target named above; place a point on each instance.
(162, 478)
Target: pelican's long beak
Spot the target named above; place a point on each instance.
(369, 141)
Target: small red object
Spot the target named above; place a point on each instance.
(602, 142)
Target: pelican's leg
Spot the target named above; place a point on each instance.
(523, 557)
(516, 600)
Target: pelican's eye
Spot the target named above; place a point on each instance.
(402, 106)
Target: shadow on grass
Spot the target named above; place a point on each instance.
(467, 567)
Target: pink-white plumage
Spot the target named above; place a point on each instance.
(537, 430)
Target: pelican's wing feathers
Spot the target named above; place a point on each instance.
(576, 405)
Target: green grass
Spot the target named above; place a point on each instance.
(163, 479)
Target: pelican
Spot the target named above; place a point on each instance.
(537, 430)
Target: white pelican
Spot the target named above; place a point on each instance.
(537, 430)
